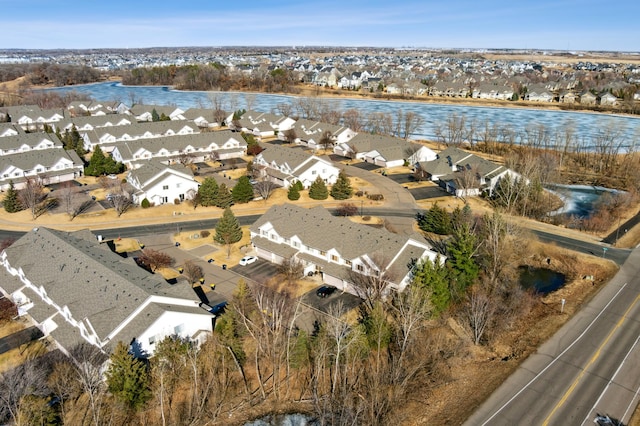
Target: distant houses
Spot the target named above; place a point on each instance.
(463, 174)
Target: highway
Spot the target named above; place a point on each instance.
(589, 366)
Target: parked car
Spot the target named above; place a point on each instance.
(247, 260)
(325, 291)
(219, 309)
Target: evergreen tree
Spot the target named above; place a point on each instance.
(128, 378)
(294, 193)
(228, 230)
(342, 189)
(436, 220)
(243, 191)
(462, 264)
(208, 192)
(155, 116)
(224, 198)
(96, 163)
(318, 190)
(11, 203)
(433, 276)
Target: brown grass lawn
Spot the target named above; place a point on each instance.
(17, 356)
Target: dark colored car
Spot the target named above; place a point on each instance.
(219, 309)
(325, 291)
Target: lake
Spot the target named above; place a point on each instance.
(586, 125)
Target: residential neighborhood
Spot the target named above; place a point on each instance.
(171, 265)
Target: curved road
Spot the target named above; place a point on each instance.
(589, 366)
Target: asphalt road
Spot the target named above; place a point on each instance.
(589, 366)
(616, 255)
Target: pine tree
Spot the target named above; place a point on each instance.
(224, 198)
(208, 192)
(11, 203)
(154, 115)
(243, 191)
(342, 189)
(228, 230)
(433, 276)
(463, 266)
(318, 190)
(128, 378)
(96, 163)
(294, 193)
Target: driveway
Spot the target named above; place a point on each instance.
(325, 304)
(259, 271)
(401, 178)
(18, 338)
(366, 166)
(426, 192)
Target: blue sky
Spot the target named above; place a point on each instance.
(542, 24)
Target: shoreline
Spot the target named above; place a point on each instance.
(306, 92)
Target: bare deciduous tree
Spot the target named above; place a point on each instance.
(67, 194)
(290, 136)
(192, 272)
(155, 259)
(32, 196)
(478, 311)
(291, 268)
(372, 283)
(265, 188)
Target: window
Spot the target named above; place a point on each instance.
(165, 187)
(152, 340)
(334, 258)
(360, 268)
(178, 185)
(347, 262)
(323, 253)
(313, 172)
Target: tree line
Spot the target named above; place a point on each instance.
(212, 76)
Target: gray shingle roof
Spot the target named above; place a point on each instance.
(320, 230)
(29, 159)
(94, 283)
(176, 144)
(31, 140)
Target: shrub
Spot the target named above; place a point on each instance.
(205, 233)
(176, 201)
(347, 209)
(375, 197)
(145, 204)
(366, 218)
(359, 193)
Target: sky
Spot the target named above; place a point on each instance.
(574, 25)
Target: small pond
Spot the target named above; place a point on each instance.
(579, 200)
(543, 280)
(294, 419)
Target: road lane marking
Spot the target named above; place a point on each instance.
(593, 359)
(499, 410)
(609, 385)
